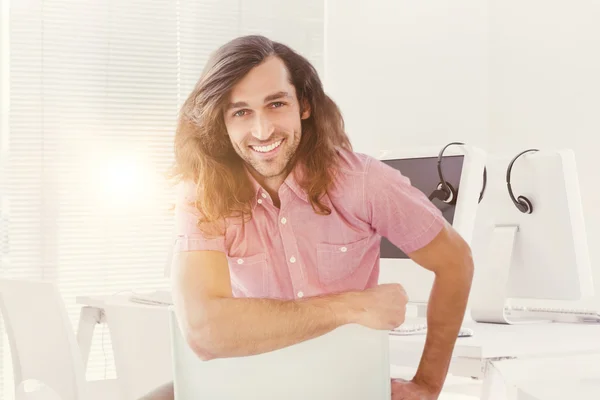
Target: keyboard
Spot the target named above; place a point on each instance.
(154, 298)
(421, 329)
(555, 314)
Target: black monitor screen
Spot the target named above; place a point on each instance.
(423, 175)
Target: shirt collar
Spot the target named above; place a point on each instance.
(291, 181)
(255, 185)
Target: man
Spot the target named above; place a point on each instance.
(280, 222)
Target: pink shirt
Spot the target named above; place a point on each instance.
(292, 252)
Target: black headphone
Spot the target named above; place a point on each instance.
(445, 191)
(522, 203)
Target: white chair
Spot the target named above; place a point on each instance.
(43, 344)
(350, 363)
(141, 342)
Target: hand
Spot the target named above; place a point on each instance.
(410, 390)
(382, 307)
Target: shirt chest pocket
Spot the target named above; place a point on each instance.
(249, 275)
(338, 261)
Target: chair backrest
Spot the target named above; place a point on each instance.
(141, 344)
(350, 363)
(41, 337)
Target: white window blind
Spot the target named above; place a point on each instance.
(87, 133)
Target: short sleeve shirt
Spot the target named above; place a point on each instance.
(292, 252)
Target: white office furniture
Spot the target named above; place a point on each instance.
(140, 338)
(550, 378)
(96, 307)
(43, 344)
(476, 356)
(349, 363)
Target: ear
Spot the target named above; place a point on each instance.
(305, 110)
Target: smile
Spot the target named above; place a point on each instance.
(266, 149)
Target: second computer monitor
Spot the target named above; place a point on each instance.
(462, 167)
(538, 259)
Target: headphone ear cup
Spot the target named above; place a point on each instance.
(439, 193)
(524, 205)
(442, 194)
(452, 196)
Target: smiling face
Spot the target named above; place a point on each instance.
(263, 119)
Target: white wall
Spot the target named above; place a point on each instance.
(408, 72)
(500, 74)
(545, 89)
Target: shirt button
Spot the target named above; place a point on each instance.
(264, 195)
(343, 249)
(283, 220)
(300, 294)
(240, 261)
(259, 201)
(293, 259)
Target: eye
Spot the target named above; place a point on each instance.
(277, 104)
(240, 113)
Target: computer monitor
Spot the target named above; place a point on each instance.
(530, 260)
(462, 167)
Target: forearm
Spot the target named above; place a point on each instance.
(232, 327)
(445, 313)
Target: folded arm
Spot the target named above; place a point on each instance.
(217, 325)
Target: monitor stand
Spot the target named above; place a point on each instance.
(490, 286)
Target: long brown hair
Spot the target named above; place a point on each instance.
(205, 156)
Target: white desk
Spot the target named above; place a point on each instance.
(99, 301)
(478, 356)
(140, 338)
(92, 314)
(552, 378)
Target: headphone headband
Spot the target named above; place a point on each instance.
(445, 191)
(522, 203)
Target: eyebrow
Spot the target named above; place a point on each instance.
(270, 97)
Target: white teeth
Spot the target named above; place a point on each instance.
(265, 149)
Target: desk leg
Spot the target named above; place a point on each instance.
(496, 383)
(88, 318)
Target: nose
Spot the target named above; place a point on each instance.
(263, 128)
